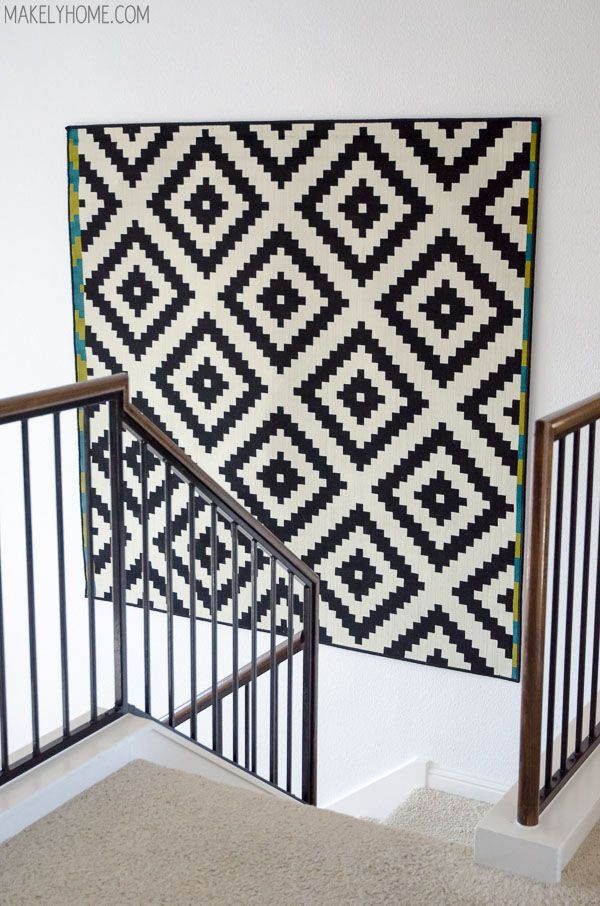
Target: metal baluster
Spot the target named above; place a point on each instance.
(290, 679)
(569, 611)
(247, 726)
(118, 550)
(235, 637)
(90, 577)
(554, 614)
(220, 722)
(144, 516)
(169, 589)
(585, 587)
(253, 623)
(214, 627)
(193, 669)
(309, 699)
(3, 711)
(273, 679)
(595, 648)
(60, 552)
(35, 720)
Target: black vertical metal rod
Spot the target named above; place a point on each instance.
(35, 719)
(3, 711)
(558, 520)
(144, 518)
(193, 664)
(595, 648)
(235, 638)
(216, 743)
(60, 554)
(309, 694)
(569, 609)
(247, 726)
(219, 710)
(273, 680)
(118, 549)
(89, 563)
(585, 582)
(253, 655)
(290, 680)
(169, 589)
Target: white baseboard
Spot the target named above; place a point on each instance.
(467, 785)
(44, 788)
(378, 798)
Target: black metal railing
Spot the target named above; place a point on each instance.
(562, 593)
(253, 727)
(245, 722)
(25, 411)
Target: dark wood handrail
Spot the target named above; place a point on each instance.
(549, 429)
(42, 401)
(226, 686)
(573, 417)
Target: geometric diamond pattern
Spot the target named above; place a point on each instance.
(205, 176)
(379, 210)
(279, 474)
(282, 299)
(136, 260)
(373, 410)
(427, 307)
(207, 383)
(332, 319)
(442, 497)
(368, 580)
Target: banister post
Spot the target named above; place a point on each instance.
(536, 571)
(309, 695)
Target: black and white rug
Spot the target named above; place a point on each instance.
(333, 319)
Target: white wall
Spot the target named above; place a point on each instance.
(323, 58)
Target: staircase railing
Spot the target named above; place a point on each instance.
(562, 597)
(125, 419)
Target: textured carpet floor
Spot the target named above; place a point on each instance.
(439, 815)
(151, 835)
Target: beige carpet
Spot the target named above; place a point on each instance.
(151, 835)
(439, 815)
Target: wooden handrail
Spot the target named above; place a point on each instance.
(225, 686)
(573, 417)
(42, 401)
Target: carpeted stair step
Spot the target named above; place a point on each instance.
(441, 816)
(150, 835)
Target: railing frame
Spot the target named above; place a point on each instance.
(552, 428)
(114, 390)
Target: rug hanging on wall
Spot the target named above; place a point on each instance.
(333, 319)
